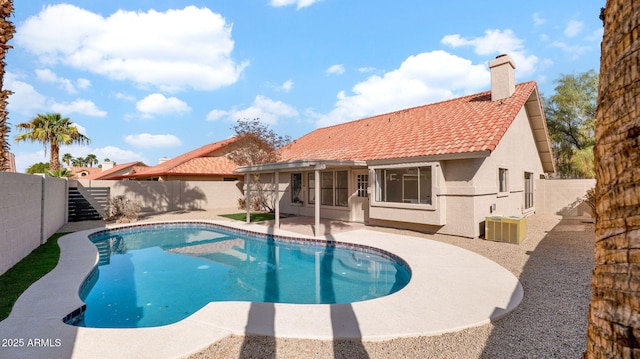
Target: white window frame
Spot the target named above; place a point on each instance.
(503, 192)
(422, 206)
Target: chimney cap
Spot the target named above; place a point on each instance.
(502, 59)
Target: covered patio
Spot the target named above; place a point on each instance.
(316, 228)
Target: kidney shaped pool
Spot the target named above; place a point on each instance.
(152, 275)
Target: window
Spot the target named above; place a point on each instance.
(296, 187)
(326, 188)
(362, 183)
(342, 188)
(404, 185)
(312, 187)
(528, 190)
(503, 183)
(334, 188)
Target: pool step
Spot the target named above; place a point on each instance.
(104, 250)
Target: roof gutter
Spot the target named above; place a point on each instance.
(299, 165)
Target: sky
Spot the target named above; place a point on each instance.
(146, 79)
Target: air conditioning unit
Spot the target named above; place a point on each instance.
(512, 229)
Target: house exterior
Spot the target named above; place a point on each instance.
(206, 163)
(438, 168)
(107, 171)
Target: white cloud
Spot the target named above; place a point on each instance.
(495, 42)
(83, 83)
(263, 108)
(299, 3)
(216, 114)
(336, 69)
(366, 69)
(137, 46)
(158, 104)
(124, 96)
(81, 129)
(573, 50)
(49, 76)
(84, 107)
(117, 155)
(286, 86)
(538, 20)
(148, 140)
(420, 79)
(25, 160)
(573, 28)
(27, 101)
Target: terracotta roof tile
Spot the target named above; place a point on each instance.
(201, 161)
(466, 124)
(103, 175)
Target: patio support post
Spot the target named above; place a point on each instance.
(276, 179)
(317, 204)
(247, 196)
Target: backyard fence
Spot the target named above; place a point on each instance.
(32, 208)
(158, 196)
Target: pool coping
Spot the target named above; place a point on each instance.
(453, 290)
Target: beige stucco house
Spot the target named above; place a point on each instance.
(440, 168)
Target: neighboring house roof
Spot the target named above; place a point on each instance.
(115, 172)
(83, 172)
(200, 162)
(467, 124)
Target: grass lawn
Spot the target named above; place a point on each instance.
(26, 272)
(255, 216)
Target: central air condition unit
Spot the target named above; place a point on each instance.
(512, 229)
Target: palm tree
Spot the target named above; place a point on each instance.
(67, 158)
(51, 129)
(91, 159)
(614, 314)
(6, 33)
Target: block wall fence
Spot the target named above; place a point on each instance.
(34, 207)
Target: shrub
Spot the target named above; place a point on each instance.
(122, 210)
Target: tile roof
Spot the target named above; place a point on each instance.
(114, 172)
(200, 161)
(461, 125)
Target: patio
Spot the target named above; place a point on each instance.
(471, 291)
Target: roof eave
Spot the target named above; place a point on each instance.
(298, 165)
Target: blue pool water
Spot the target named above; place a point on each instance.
(151, 276)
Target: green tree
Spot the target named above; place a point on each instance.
(67, 158)
(91, 160)
(63, 172)
(571, 114)
(51, 129)
(39, 167)
(6, 33)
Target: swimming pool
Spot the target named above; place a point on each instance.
(159, 274)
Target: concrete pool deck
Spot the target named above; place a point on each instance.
(451, 289)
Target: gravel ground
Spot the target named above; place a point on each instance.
(554, 266)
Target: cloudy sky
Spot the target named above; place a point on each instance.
(148, 79)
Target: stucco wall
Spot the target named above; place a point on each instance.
(155, 196)
(26, 218)
(563, 197)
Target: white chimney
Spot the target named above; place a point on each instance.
(163, 160)
(503, 81)
(107, 165)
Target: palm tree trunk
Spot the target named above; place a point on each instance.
(614, 314)
(6, 33)
(54, 162)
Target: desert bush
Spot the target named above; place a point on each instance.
(122, 210)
